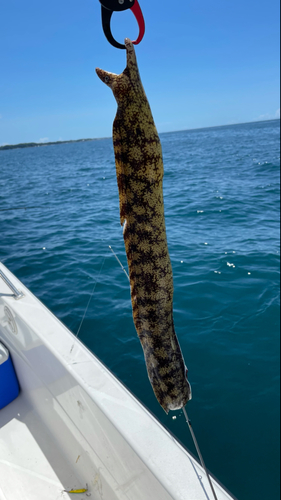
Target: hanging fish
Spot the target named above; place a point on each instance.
(139, 167)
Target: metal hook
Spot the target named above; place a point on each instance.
(110, 6)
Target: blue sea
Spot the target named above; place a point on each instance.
(221, 191)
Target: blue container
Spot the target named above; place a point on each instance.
(9, 386)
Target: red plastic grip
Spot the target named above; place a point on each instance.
(139, 17)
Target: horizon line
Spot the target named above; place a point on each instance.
(50, 143)
(220, 126)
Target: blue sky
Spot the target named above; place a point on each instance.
(203, 63)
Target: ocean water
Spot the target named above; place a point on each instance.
(222, 191)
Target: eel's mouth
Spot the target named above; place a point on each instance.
(102, 74)
(106, 77)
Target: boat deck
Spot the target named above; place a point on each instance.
(31, 463)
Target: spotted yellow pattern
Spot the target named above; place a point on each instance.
(139, 168)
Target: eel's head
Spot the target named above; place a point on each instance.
(129, 81)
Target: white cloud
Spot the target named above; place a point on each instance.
(45, 139)
(269, 116)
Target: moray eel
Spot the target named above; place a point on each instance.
(139, 167)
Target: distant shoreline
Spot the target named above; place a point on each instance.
(39, 144)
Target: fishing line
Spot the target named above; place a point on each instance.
(199, 452)
(119, 262)
(93, 291)
(184, 410)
